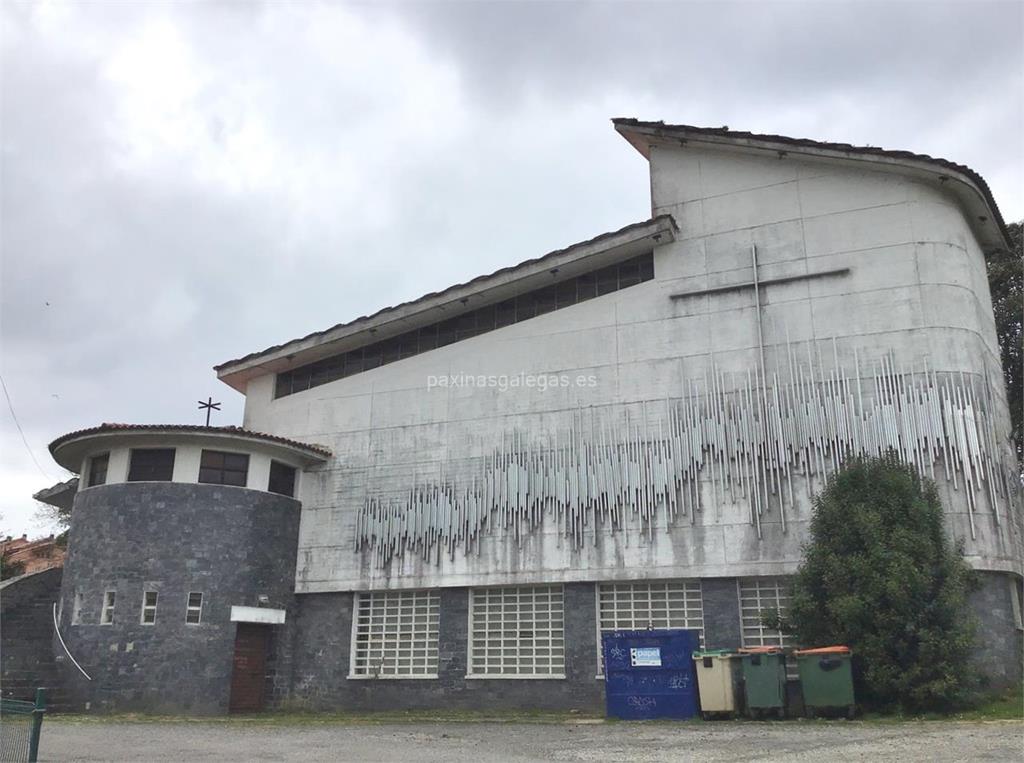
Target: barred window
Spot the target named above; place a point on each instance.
(656, 604)
(756, 596)
(517, 632)
(395, 634)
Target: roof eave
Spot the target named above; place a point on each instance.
(69, 449)
(968, 186)
(438, 306)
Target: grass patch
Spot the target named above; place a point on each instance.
(313, 718)
(1005, 707)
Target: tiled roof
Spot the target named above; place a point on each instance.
(186, 429)
(524, 263)
(724, 132)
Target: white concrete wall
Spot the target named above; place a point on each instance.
(917, 289)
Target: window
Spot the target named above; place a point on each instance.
(395, 634)
(194, 608)
(282, 479)
(641, 605)
(151, 465)
(98, 470)
(218, 468)
(107, 615)
(517, 632)
(555, 296)
(757, 595)
(76, 608)
(149, 607)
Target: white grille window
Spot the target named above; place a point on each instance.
(517, 632)
(642, 605)
(395, 634)
(756, 596)
(194, 608)
(149, 607)
(107, 615)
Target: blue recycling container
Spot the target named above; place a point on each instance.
(649, 674)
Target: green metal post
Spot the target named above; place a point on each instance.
(37, 726)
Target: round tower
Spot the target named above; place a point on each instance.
(180, 565)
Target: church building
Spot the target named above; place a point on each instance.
(444, 503)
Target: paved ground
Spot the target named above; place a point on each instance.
(932, 741)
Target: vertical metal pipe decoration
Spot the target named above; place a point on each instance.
(636, 470)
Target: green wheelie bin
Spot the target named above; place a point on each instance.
(827, 679)
(764, 680)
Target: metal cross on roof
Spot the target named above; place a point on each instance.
(209, 405)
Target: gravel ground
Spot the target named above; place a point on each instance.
(449, 742)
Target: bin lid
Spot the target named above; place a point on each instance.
(702, 653)
(824, 650)
(761, 650)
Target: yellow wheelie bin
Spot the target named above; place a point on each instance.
(718, 682)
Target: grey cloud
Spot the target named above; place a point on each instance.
(330, 160)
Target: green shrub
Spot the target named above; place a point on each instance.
(880, 575)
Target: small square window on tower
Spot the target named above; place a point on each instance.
(149, 607)
(194, 608)
(107, 615)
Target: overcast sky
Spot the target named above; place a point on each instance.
(184, 184)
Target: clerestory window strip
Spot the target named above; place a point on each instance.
(520, 308)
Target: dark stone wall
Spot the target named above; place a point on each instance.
(319, 662)
(232, 544)
(999, 652)
(26, 626)
(721, 599)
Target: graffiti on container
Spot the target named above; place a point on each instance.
(617, 652)
(642, 703)
(679, 682)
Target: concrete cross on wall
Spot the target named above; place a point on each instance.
(757, 284)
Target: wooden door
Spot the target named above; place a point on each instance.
(249, 674)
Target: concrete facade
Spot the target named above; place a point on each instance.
(914, 296)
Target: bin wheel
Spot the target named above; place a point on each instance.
(851, 712)
(705, 716)
(780, 713)
(812, 713)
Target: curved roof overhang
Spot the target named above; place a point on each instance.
(958, 180)
(69, 450)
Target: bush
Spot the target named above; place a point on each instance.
(880, 575)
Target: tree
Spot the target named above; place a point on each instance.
(1006, 282)
(880, 575)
